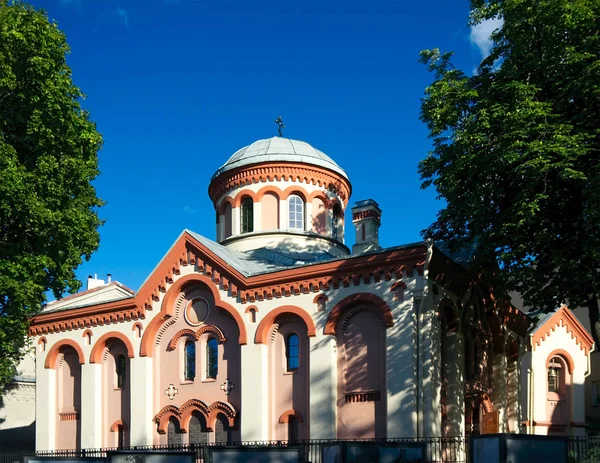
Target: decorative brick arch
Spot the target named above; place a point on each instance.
(52, 355)
(164, 415)
(168, 305)
(352, 301)
(189, 407)
(285, 416)
(565, 356)
(237, 200)
(252, 307)
(116, 424)
(137, 326)
(294, 190)
(228, 200)
(262, 331)
(98, 349)
(220, 408)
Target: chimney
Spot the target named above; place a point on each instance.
(366, 217)
(108, 277)
(94, 282)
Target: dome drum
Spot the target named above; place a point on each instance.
(284, 191)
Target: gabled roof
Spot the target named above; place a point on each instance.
(548, 322)
(112, 291)
(258, 275)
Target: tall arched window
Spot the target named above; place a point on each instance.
(296, 212)
(292, 429)
(121, 371)
(173, 432)
(292, 352)
(190, 360)
(247, 215)
(212, 358)
(120, 436)
(554, 375)
(197, 429)
(335, 220)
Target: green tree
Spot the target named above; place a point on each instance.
(516, 151)
(48, 159)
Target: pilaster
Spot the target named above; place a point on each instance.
(91, 406)
(45, 407)
(142, 393)
(255, 406)
(323, 387)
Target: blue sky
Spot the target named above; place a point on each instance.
(177, 86)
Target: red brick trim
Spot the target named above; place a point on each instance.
(265, 325)
(353, 300)
(52, 355)
(97, 350)
(285, 416)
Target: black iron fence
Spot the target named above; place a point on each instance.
(436, 449)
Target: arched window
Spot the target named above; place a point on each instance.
(120, 436)
(173, 432)
(197, 429)
(292, 429)
(190, 360)
(247, 215)
(335, 220)
(296, 212)
(555, 375)
(292, 348)
(121, 368)
(212, 358)
(222, 434)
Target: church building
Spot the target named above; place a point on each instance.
(276, 330)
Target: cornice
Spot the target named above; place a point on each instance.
(187, 250)
(268, 172)
(563, 317)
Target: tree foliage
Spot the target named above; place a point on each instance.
(516, 150)
(48, 159)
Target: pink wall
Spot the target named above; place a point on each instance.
(289, 390)
(361, 376)
(558, 404)
(171, 366)
(319, 217)
(270, 212)
(68, 391)
(116, 401)
(228, 220)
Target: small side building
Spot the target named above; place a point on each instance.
(554, 371)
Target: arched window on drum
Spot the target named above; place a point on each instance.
(295, 213)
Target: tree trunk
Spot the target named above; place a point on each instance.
(594, 313)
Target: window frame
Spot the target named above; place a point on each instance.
(121, 371)
(189, 362)
(212, 365)
(299, 207)
(247, 215)
(292, 361)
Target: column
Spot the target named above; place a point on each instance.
(45, 407)
(141, 427)
(91, 406)
(401, 398)
(499, 394)
(257, 215)
(255, 389)
(283, 215)
(235, 221)
(430, 372)
(308, 223)
(323, 387)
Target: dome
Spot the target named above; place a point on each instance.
(279, 149)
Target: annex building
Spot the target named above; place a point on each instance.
(275, 330)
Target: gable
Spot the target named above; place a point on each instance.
(563, 317)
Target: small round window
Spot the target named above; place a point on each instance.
(196, 311)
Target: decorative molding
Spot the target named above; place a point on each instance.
(366, 396)
(350, 302)
(196, 335)
(285, 416)
(184, 413)
(68, 416)
(565, 356)
(286, 171)
(53, 353)
(265, 325)
(563, 317)
(99, 346)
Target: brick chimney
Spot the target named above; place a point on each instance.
(366, 217)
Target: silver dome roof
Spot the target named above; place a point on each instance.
(279, 149)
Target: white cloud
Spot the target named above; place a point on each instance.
(122, 13)
(480, 34)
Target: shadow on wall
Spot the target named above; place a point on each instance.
(18, 438)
